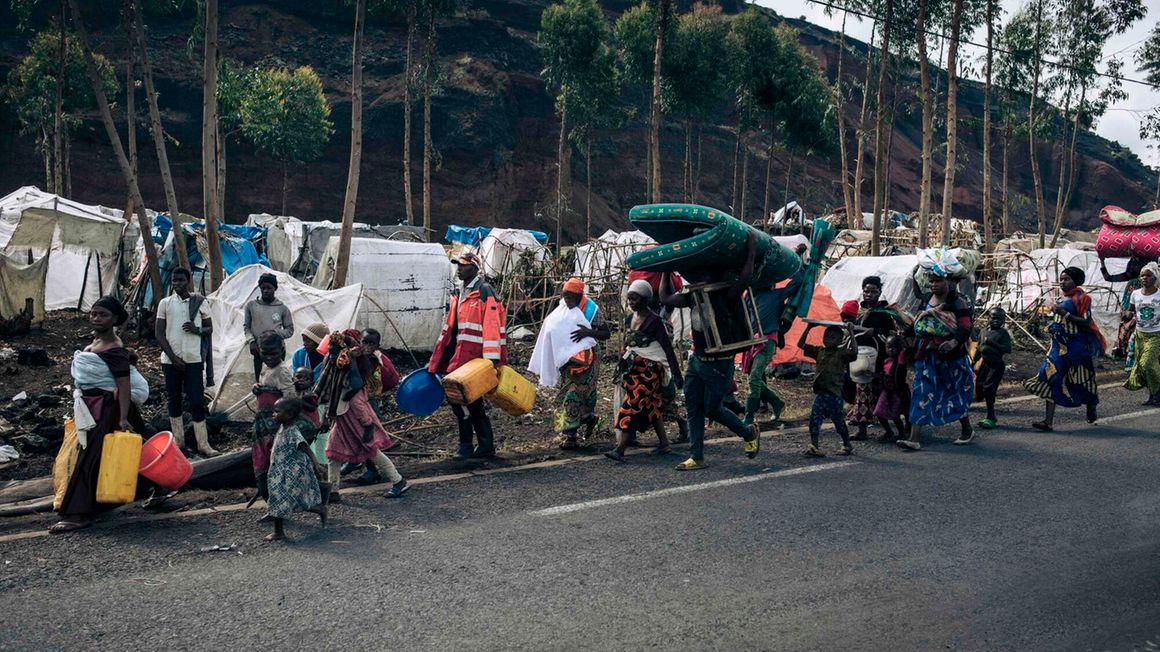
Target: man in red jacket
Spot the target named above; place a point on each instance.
(475, 328)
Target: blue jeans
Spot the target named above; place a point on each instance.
(828, 406)
(707, 383)
(189, 383)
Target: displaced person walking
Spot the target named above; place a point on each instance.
(293, 484)
(276, 382)
(643, 371)
(104, 403)
(1145, 306)
(832, 360)
(266, 313)
(879, 320)
(943, 383)
(182, 322)
(582, 371)
(991, 365)
(1125, 346)
(1067, 376)
(475, 328)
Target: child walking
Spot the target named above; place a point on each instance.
(990, 364)
(894, 400)
(293, 479)
(275, 381)
(312, 429)
(831, 360)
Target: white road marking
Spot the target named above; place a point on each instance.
(684, 489)
(1121, 417)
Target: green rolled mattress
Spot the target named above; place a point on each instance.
(704, 244)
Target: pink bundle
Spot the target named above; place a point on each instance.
(1125, 234)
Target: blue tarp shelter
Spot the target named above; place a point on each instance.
(472, 236)
(241, 245)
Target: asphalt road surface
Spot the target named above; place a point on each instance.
(1023, 541)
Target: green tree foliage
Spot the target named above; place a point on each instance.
(31, 88)
(286, 116)
(694, 77)
(1148, 57)
(635, 34)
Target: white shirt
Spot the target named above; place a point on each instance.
(1147, 311)
(175, 311)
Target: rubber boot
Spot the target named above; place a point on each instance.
(752, 404)
(465, 435)
(177, 427)
(483, 432)
(202, 435)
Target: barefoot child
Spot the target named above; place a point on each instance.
(276, 381)
(831, 359)
(894, 400)
(991, 365)
(293, 478)
(312, 430)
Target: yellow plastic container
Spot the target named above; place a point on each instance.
(120, 459)
(514, 394)
(471, 382)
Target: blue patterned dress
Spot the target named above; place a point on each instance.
(292, 484)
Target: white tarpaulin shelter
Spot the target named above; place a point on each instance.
(1036, 280)
(844, 278)
(296, 246)
(233, 365)
(797, 214)
(604, 257)
(82, 242)
(502, 250)
(405, 288)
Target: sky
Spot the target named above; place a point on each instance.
(1120, 123)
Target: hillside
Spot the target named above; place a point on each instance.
(493, 127)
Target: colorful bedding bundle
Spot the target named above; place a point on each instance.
(1126, 235)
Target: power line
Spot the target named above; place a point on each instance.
(961, 41)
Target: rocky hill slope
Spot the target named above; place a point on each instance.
(494, 130)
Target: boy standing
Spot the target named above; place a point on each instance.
(266, 313)
(832, 359)
(991, 365)
(182, 320)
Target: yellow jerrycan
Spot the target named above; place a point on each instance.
(120, 459)
(514, 394)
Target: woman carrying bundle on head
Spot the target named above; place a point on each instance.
(1067, 376)
(1145, 306)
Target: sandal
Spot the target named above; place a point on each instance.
(69, 526)
(1042, 426)
(988, 424)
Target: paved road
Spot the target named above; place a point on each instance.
(1024, 541)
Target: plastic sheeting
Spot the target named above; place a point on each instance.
(605, 257)
(20, 282)
(502, 250)
(844, 279)
(82, 243)
(296, 246)
(405, 288)
(233, 365)
(472, 236)
(1037, 279)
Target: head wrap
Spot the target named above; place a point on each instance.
(267, 278)
(641, 288)
(469, 258)
(1076, 274)
(849, 309)
(316, 332)
(120, 315)
(574, 285)
(353, 335)
(1154, 268)
(876, 281)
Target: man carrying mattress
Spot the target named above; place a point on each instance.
(475, 328)
(709, 378)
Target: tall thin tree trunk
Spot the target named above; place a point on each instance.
(158, 135)
(952, 121)
(131, 128)
(122, 160)
(744, 180)
(697, 173)
(350, 202)
(879, 141)
(409, 74)
(785, 196)
(219, 141)
(768, 180)
(46, 154)
(988, 227)
(428, 82)
(561, 167)
(733, 198)
(1006, 164)
(927, 128)
(1065, 195)
(57, 185)
(588, 184)
(654, 127)
(209, 120)
(860, 150)
(840, 118)
(1040, 211)
(686, 172)
(67, 166)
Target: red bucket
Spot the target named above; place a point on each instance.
(163, 462)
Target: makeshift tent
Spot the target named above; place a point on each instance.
(1035, 281)
(82, 244)
(240, 246)
(503, 249)
(405, 288)
(233, 365)
(19, 283)
(603, 259)
(796, 215)
(296, 246)
(473, 236)
(844, 280)
(822, 308)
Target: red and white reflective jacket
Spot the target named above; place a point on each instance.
(475, 328)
